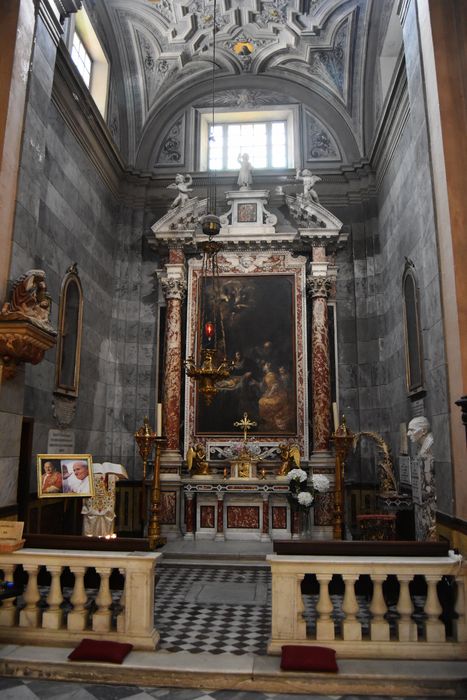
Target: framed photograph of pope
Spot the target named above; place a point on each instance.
(65, 475)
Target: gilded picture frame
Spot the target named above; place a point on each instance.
(65, 476)
(263, 299)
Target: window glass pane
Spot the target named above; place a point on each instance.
(81, 59)
(278, 133)
(265, 143)
(278, 157)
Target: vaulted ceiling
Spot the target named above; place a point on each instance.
(317, 52)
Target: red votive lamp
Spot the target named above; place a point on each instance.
(209, 332)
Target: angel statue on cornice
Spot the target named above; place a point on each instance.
(183, 185)
(309, 180)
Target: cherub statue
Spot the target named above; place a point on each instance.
(183, 185)
(290, 455)
(245, 177)
(30, 300)
(308, 180)
(196, 460)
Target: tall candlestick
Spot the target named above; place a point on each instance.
(335, 416)
(159, 420)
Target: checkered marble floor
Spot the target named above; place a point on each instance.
(240, 624)
(17, 689)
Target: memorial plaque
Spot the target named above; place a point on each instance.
(61, 442)
(404, 470)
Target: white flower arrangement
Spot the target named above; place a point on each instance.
(297, 474)
(302, 489)
(320, 482)
(305, 499)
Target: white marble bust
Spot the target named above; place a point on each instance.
(420, 434)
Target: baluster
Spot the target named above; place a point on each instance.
(8, 608)
(459, 624)
(300, 622)
(352, 629)
(102, 617)
(407, 628)
(121, 617)
(76, 620)
(52, 618)
(435, 630)
(379, 627)
(324, 608)
(30, 615)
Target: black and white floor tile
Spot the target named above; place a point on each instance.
(17, 689)
(236, 625)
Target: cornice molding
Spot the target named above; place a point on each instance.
(51, 19)
(390, 126)
(85, 121)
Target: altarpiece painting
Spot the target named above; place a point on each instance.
(262, 299)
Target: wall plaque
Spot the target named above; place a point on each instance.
(61, 442)
(404, 470)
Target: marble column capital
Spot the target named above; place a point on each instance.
(319, 286)
(173, 288)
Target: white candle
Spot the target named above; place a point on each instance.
(335, 416)
(159, 420)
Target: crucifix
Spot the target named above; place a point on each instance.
(246, 424)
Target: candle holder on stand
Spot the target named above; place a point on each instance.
(343, 439)
(154, 530)
(145, 438)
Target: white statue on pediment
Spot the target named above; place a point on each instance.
(183, 185)
(309, 180)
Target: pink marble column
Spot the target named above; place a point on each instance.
(319, 286)
(190, 516)
(220, 517)
(174, 288)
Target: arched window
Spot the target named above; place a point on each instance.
(69, 338)
(413, 338)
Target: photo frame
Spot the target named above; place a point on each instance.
(65, 475)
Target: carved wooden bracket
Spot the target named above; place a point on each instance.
(22, 341)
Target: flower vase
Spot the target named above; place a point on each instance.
(306, 523)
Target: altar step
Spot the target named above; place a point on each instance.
(249, 552)
(247, 673)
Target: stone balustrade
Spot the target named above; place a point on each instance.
(60, 615)
(385, 607)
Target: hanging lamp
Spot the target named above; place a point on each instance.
(210, 365)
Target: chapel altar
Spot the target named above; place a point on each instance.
(276, 289)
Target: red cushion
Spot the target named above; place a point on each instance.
(307, 658)
(100, 650)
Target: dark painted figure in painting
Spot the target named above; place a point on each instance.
(259, 325)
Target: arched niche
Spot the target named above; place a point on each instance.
(69, 334)
(412, 331)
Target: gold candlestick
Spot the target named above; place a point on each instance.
(154, 530)
(145, 438)
(343, 439)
